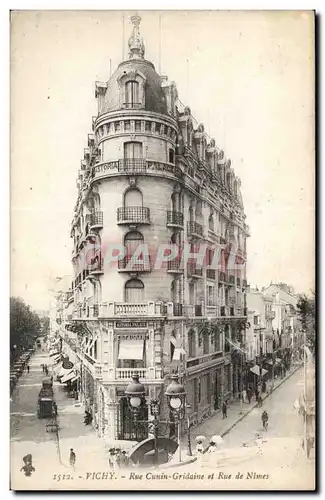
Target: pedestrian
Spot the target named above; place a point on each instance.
(264, 386)
(42, 366)
(72, 459)
(256, 394)
(224, 409)
(249, 395)
(27, 368)
(259, 401)
(55, 408)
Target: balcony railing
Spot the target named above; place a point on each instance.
(194, 229)
(177, 309)
(132, 166)
(133, 215)
(96, 266)
(96, 220)
(211, 274)
(132, 105)
(128, 373)
(175, 219)
(175, 266)
(211, 310)
(194, 272)
(129, 264)
(124, 309)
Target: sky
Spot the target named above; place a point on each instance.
(249, 79)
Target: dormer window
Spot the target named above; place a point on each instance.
(132, 99)
(131, 85)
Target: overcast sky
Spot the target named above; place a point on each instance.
(249, 80)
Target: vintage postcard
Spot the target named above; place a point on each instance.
(162, 308)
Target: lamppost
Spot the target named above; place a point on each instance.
(175, 394)
(260, 329)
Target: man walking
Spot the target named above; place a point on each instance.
(224, 409)
(72, 458)
(249, 395)
(27, 368)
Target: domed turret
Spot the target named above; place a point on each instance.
(135, 84)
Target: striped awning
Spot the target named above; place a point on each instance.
(67, 377)
(257, 370)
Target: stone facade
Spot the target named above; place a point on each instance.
(150, 176)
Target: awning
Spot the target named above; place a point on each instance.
(177, 353)
(173, 340)
(131, 349)
(67, 377)
(256, 370)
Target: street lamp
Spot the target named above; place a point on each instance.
(176, 395)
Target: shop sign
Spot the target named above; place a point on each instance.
(131, 324)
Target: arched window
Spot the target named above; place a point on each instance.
(132, 99)
(131, 242)
(134, 291)
(133, 198)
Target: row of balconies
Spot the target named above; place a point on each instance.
(170, 309)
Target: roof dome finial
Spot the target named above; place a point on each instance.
(136, 44)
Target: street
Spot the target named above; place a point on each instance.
(281, 455)
(28, 433)
(281, 458)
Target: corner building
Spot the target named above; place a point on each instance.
(150, 175)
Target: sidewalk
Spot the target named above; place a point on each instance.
(216, 425)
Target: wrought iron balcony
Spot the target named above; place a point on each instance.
(175, 266)
(211, 274)
(177, 309)
(194, 229)
(96, 266)
(96, 220)
(175, 219)
(194, 272)
(132, 166)
(133, 215)
(130, 265)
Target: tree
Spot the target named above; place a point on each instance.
(24, 326)
(307, 314)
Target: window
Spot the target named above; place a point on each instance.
(132, 150)
(134, 291)
(227, 335)
(217, 340)
(191, 343)
(127, 126)
(211, 223)
(205, 343)
(137, 126)
(132, 198)
(171, 157)
(255, 320)
(132, 94)
(210, 290)
(148, 127)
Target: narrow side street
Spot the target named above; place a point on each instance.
(28, 432)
